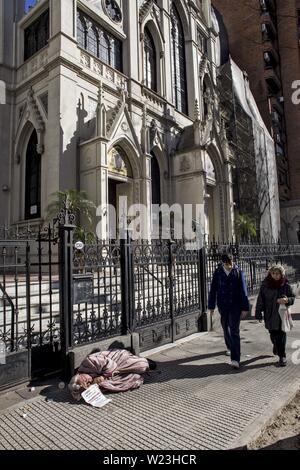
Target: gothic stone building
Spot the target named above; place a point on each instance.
(116, 98)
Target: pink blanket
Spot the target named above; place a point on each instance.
(121, 369)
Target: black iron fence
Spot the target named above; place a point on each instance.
(56, 295)
(97, 303)
(255, 259)
(30, 297)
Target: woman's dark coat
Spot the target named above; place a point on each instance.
(267, 304)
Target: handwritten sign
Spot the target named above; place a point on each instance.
(94, 397)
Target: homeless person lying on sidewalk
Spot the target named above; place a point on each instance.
(116, 370)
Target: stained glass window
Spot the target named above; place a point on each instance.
(178, 61)
(149, 61)
(96, 40)
(36, 35)
(33, 179)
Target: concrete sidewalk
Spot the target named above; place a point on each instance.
(193, 401)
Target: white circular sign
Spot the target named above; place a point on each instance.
(79, 245)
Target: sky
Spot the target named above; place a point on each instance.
(28, 3)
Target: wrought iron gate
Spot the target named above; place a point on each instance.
(168, 291)
(29, 305)
(154, 289)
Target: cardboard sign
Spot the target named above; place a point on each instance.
(94, 397)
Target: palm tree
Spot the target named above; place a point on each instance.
(80, 206)
(245, 227)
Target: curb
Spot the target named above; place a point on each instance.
(254, 430)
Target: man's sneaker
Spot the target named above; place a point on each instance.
(282, 361)
(228, 353)
(235, 364)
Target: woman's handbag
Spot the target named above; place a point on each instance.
(286, 318)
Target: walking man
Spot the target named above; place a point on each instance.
(228, 290)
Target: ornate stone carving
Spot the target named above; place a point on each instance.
(109, 74)
(85, 59)
(202, 66)
(185, 164)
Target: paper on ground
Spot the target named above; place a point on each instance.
(93, 396)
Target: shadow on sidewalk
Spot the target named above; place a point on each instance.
(296, 316)
(182, 369)
(53, 394)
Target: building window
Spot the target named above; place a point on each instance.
(81, 31)
(104, 47)
(155, 181)
(33, 179)
(36, 35)
(99, 42)
(202, 42)
(92, 41)
(113, 10)
(149, 61)
(178, 61)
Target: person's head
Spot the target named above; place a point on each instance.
(78, 384)
(227, 261)
(277, 272)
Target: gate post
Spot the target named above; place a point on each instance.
(202, 278)
(66, 284)
(127, 288)
(171, 282)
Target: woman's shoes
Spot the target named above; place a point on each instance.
(282, 362)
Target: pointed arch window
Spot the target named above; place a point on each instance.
(155, 180)
(92, 37)
(81, 31)
(32, 179)
(104, 48)
(178, 61)
(92, 41)
(149, 61)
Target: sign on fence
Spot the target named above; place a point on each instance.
(83, 288)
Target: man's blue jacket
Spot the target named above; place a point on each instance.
(228, 291)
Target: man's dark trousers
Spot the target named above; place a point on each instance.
(230, 320)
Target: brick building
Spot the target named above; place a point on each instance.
(264, 39)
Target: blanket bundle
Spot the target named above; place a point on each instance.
(121, 371)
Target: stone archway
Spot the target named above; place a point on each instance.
(215, 198)
(210, 197)
(120, 188)
(20, 201)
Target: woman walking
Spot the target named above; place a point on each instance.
(275, 291)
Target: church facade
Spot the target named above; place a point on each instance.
(115, 98)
